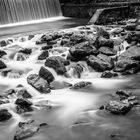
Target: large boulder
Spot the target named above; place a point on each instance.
(2, 65)
(27, 129)
(4, 115)
(130, 59)
(57, 63)
(43, 55)
(100, 63)
(38, 83)
(80, 51)
(108, 74)
(46, 74)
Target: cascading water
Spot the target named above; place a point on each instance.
(15, 11)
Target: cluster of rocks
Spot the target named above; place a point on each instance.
(123, 103)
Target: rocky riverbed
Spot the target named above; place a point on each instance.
(76, 84)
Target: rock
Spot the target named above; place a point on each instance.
(51, 42)
(10, 92)
(23, 93)
(57, 64)
(75, 70)
(47, 47)
(130, 27)
(4, 115)
(20, 57)
(30, 37)
(100, 63)
(3, 43)
(59, 85)
(38, 83)
(102, 42)
(81, 85)
(108, 74)
(26, 51)
(3, 101)
(128, 60)
(23, 105)
(23, 102)
(27, 129)
(107, 51)
(2, 65)
(43, 55)
(77, 38)
(123, 93)
(80, 51)
(102, 32)
(138, 28)
(119, 107)
(2, 53)
(46, 74)
(5, 72)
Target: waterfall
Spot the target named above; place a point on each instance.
(15, 11)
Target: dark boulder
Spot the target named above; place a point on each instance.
(3, 43)
(46, 74)
(80, 51)
(47, 47)
(5, 115)
(30, 37)
(119, 107)
(130, 27)
(26, 51)
(23, 105)
(43, 55)
(27, 129)
(107, 51)
(109, 74)
(57, 63)
(2, 65)
(38, 83)
(81, 85)
(100, 63)
(2, 53)
(102, 32)
(23, 102)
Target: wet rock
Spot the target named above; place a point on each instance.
(23, 102)
(27, 129)
(5, 72)
(5, 115)
(80, 51)
(2, 53)
(102, 42)
(38, 83)
(59, 85)
(2, 65)
(128, 60)
(43, 55)
(102, 32)
(100, 63)
(119, 107)
(130, 27)
(47, 47)
(30, 37)
(75, 70)
(77, 38)
(26, 51)
(23, 105)
(10, 91)
(46, 74)
(53, 42)
(3, 43)
(123, 94)
(20, 57)
(81, 85)
(107, 51)
(109, 74)
(57, 64)
(23, 93)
